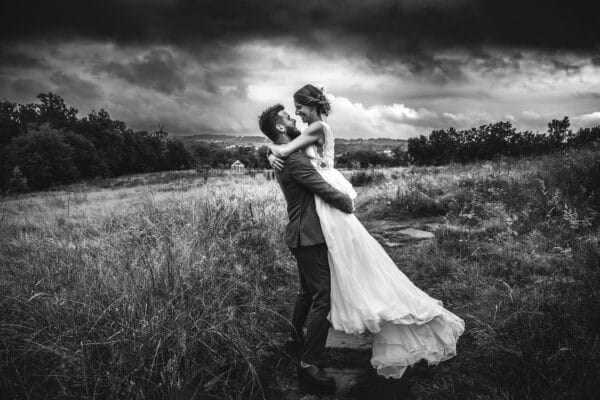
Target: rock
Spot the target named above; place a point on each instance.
(417, 233)
(341, 340)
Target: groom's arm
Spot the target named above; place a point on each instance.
(303, 172)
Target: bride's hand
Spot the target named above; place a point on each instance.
(275, 162)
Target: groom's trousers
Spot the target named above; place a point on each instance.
(313, 300)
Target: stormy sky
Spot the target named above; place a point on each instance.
(393, 68)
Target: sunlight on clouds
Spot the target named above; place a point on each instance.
(354, 120)
(587, 120)
(223, 88)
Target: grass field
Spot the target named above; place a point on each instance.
(170, 285)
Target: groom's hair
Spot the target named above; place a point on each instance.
(267, 121)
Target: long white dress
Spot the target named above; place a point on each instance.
(370, 293)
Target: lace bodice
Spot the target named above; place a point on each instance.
(325, 161)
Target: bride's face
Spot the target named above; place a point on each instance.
(307, 113)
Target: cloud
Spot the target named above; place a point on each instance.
(23, 89)
(588, 94)
(156, 69)
(354, 119)
(75, 87)
(222, 88)
(539, 121)
(586, 120)
(20, 60)
(378, 29)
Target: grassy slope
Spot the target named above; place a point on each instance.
(519, 260)
(140, 292)
(150, 291)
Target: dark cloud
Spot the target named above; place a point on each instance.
(204, 63)
(157, 70)
(588, 95)
(565, 66)
(76, 87)
(375, 28)
(17, 59)
(447, 95)
(437, 70)
(25, 89)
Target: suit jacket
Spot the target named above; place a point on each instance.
(300, 181)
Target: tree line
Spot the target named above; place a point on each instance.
(46, 144)
(490, 141)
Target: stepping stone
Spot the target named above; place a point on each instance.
(341, 340)
(417, 233)
(388, 243)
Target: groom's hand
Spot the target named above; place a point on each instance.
(276, 162)
(348, 207)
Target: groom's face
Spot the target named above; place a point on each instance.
(289, 124)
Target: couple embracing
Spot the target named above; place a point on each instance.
(347, 280)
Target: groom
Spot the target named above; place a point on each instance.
(300, 182)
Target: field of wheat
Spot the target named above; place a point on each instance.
(179, 286)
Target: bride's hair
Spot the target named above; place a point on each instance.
(309, 95)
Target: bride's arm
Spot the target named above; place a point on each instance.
(310, 135)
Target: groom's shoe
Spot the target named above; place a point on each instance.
(316, 377)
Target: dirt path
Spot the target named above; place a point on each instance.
(348, 356)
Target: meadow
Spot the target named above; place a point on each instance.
(178, 285)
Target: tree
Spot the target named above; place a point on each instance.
(245, 154)
(100, 121)
(558, 131)
(222, 159)
(399, 156)
(44, 158)
(585, 136)
(53, 110)
(443, 145)
(85, 155)
(17, 182)
(176, 156)
(9, 122)
(418, 150)
(261, 157)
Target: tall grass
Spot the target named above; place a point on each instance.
(143, 295)
(364, 178)
(179, 287)
(519, 258)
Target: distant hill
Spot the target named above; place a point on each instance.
(342, 144)
(225, 140)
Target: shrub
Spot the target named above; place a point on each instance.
(415, 203)
(577, 175)
(44, 158)
(364, 178)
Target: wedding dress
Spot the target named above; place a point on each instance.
(370, 293)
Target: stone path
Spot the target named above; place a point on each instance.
(340, 340)
(348, 356)
(395, 234)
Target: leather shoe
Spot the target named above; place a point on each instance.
(315, 376)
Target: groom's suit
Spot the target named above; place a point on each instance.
(299, 182)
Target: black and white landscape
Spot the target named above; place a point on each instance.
(141, 251)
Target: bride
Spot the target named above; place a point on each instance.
(368, 291)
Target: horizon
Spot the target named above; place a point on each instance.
(260, 135)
